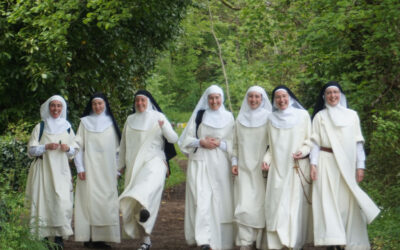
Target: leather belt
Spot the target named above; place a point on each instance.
(329, 150)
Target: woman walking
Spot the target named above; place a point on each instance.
(96, 216)
(146, 147)
(207, 140)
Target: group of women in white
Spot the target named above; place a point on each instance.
(272, 179)
(101, 153)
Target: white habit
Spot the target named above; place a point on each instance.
(249, 186)
(286, 208)
(341, 210)
(142, 152)
(49, 190)
(209, 192)
(96, 214)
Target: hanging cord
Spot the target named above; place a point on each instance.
(298, 171)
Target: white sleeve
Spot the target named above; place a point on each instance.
(71, 152)
(167, 130)
(360, 155)
(234, 161)
(314, 155)
(80, 166)
(37, 150)
(223, 146)
(195, 144)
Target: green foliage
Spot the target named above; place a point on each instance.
(14, 162)
(177, 175)
(384, 232)
(14, 165)
(384, 160)
(14, 222)
(75, 48)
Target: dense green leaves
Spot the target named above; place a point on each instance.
(74, 48)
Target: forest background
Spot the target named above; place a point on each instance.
(76, 47)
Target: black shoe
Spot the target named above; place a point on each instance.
(144, 215)
(205, 247)
(101, 244)
(144, 246)
(59, 241)
(334, 248)
(88, 244)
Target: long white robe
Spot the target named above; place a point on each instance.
(142, 152)
(209, 189)
(250, 145)
(96, 210)
(341, 210)
(286, 208)
(49, 190)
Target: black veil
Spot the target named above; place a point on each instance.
(88, 110)
(169, 148)
(320, 104)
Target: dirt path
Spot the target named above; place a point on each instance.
(168, 233)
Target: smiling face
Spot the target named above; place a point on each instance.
(55, 108)
(332, 96)
(141, 103)
(214, 101)
(98, 106)
(281, 99)
(254, 99)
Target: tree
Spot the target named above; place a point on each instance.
(75, 47)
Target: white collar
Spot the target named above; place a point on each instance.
(339, 115)
(143, 120)
(287, 118)
(255, 117)
(217, 118)
(97, 123)
(58, 125)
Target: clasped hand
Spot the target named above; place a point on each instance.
(55, 146)
(210, 143)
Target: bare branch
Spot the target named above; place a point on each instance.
(229, 5)
(220, 57)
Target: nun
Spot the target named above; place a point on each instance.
(287, 199)
(146, 147)
(341, 210)
(49, 190)
(96, 213)
(207, 140)
(250, 145)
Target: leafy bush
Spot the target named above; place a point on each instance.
(14, 162)
(14, 168)
(382, 181)
(14, 223)
(384, 231)
(384, 159)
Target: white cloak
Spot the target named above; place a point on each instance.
(341, 210)
(209, 192)
(250, 145)
(49, 190)
(142, 152)
(286, 208)
(96, 214)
